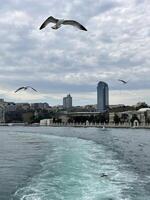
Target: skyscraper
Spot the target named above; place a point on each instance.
(67, 102)
(102, 97)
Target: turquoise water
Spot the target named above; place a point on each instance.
(69, 163)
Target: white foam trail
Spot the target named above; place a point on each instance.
(72, 171)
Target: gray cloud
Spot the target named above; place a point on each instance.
(68, 60)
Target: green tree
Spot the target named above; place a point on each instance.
(116, 119)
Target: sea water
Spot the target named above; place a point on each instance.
(74, 164)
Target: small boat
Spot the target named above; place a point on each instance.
(104, 128)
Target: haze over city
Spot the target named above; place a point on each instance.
(70, 61)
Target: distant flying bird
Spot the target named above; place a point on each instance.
(59, 22)
(124, 82)
(25, 88)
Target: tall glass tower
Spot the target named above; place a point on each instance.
(102, 97)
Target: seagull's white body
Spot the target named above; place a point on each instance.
(58, 24)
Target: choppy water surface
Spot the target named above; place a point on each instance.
(74, 164)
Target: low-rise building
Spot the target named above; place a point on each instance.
(2, 114)
(46, 122)
(138, 117)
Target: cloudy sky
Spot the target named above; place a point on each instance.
(116, 46)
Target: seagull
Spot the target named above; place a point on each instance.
(59, 22)
(124, 82)
(103, 175)
(25, 88)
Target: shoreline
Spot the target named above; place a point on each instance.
(98, 126)
(102, 126)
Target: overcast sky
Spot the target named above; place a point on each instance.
(116, 46)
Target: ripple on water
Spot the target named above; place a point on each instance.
(72, 171)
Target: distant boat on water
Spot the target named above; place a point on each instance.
(104, 128)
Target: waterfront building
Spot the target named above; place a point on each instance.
(46, 122)
(10, 106)
(2, 114)
(67, 102)
(102, 97)
(134, 117)
(2, 110)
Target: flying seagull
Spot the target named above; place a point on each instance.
(25, 88)
(59, 22)
(124, 82)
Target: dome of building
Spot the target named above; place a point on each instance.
(143, 109)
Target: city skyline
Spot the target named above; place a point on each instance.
(76, 101)
(66, 61)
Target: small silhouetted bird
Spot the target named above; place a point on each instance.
(124, 82)
(103, 175)
(25, 88)
(59, 22)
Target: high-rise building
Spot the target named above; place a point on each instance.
(67, 102)
(102, 97)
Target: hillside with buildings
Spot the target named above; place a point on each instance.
(102, 112)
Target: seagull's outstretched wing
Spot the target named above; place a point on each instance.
(19, 89)
(74, 23)
(47, 21)
(122, 81)
(32, 88)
